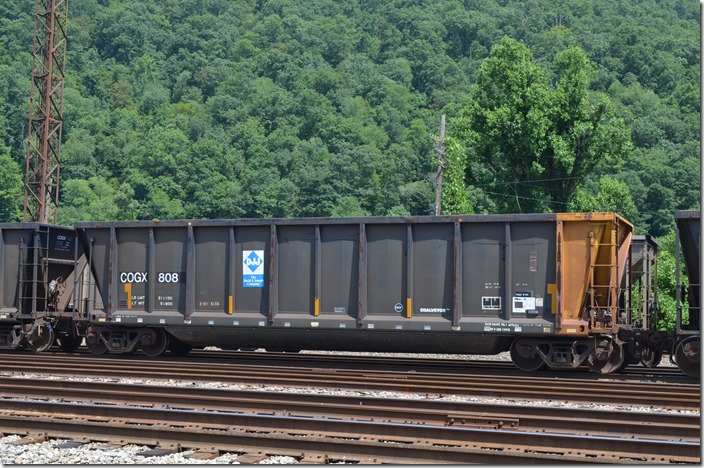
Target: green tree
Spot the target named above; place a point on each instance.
(610, 195)
(530, 143)
(667, 282)
(455, 199)
(348, 207)
(205, 108)
(78, 155)
(504, 127)
(88, 200)
(583, 133)
(11, 186)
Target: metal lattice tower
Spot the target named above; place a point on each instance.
(41, 194)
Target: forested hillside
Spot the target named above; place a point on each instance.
(288, 108)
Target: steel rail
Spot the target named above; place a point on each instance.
(676, 426)
(356, 360)
(410, 443)
(406, 363)
(678, 396)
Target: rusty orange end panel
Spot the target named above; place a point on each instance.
(592, 252)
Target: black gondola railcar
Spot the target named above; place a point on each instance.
(547, 287)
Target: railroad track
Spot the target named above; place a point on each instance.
(361, 429)
(424, 364)
(609, 390)
(387, 362)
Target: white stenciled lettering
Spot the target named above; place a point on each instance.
(434, 310)
(133, 277)
(168, 278)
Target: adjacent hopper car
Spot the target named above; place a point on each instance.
(688, 249)
(555, 290)
(37, 263)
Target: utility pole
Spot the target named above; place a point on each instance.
(440, 148)
(41, 191)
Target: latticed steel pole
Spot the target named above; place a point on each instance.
(41, 194)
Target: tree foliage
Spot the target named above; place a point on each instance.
(455, 199)
(10, 188)
(228, 109)
(609, 194)
(220, 109)
(531, 143)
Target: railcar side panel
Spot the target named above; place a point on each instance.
(133, 270)
(468, 282)
(483, 271)
(432, 248)
(215, 279)
(386, 272)
(10, 247)
(533, 249)
(252, 261)
(339, 271)
(296, 269)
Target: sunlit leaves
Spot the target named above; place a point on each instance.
(10, 187)
(531, 143)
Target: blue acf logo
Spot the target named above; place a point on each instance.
(253, 268)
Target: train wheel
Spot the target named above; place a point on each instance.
(94, 343)
(178, 347)
(687, 356)
(156, 343)
(650, 357)
(40, 337)
(524, 356)
(69, 341)
(607, 357)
